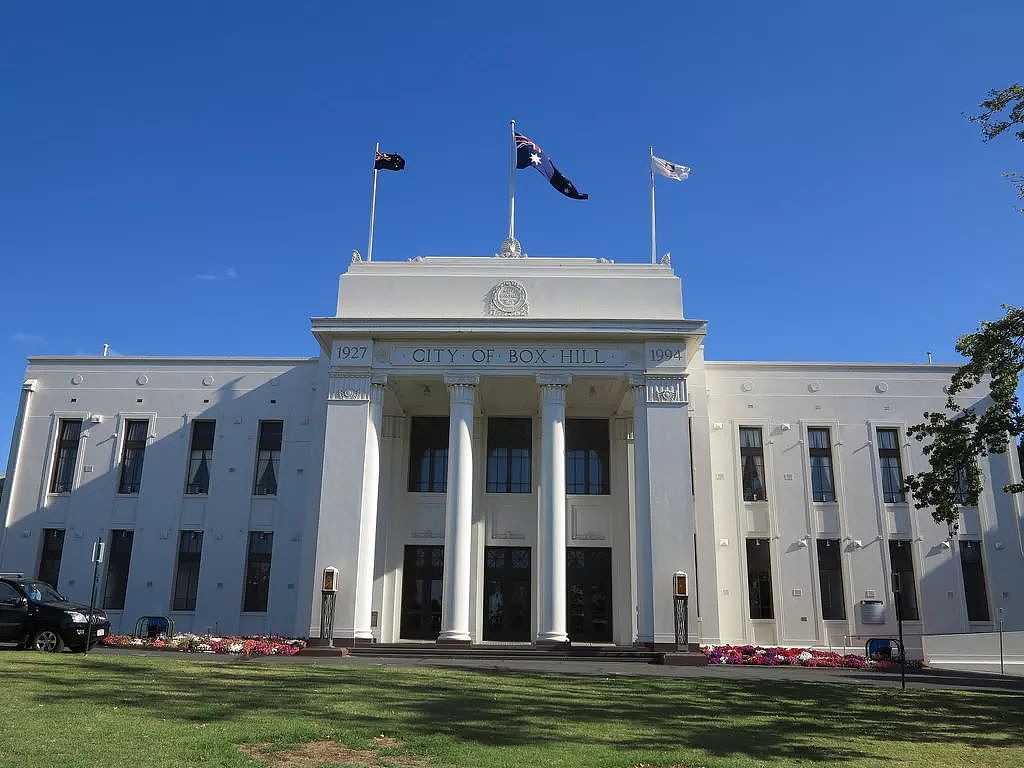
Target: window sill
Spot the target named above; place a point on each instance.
(252, 613)
(763, 621)
(182, 613)
(825, 503)
(53, 495)
(762, 501)
(126, 495)
(197, 495)
(268, 496)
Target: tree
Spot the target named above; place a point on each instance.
(961, 436)
(993, 122)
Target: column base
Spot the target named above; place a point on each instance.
(547, 639)
(453, 642)
(552, 645)
(353, 642)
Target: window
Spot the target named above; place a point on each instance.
(118, 562)
(66, 456)
(820, 448)
(268, 458)
(586, 457)
(752, 464)
(201, 454)
(509, 444)
(962, 496)
(830, 578)
(186, 579)
(49, 558)
(902, 560)
(974, 581)
(759, 578)
(428, 455)
(132, 454)
(892, 470)
(257, 571)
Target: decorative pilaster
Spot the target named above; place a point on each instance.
(643, 387)
(343, 384)
(665, 388)
(368, 510)
(552, 629)
(458, 510)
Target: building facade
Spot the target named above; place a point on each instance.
(504, 450)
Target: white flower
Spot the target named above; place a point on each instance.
(236, 647)
(805, 656)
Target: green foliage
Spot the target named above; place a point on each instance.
(960, 436)
(993, 122)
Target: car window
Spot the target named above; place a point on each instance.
(41, 592)
(8, 593)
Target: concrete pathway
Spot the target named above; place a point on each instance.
(930, 678)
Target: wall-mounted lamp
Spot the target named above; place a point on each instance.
(723, 542)
(786, 427)
(857, 544)
(947, 544)
(717, 425)
(802, 542)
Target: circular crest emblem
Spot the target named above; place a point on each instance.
(509, 298)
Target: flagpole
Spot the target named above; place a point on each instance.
(512, 186)
(654, 240)
(373, 204)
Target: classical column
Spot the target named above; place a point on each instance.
(368, 513)
(552, 509)
(458, 510)
(642, 491)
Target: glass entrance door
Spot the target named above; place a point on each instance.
(507, 594)
(588, 578)
(421, 592)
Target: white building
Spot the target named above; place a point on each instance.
(503, 450)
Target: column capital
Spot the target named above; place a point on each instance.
(658, 388)
(554, 379)
(461, 387)
(465, 379)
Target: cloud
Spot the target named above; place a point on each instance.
(21, 337)
(230, 273)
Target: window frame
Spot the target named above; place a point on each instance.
(275, 461)
(837, 543)
(757, 452)
(509, 462)
(177, 572)
(123, 589)
(436, 456)
(57, 462)
(42, 552)
(189, 459)
(765, 542)
(888, 497)
(813, 452)
(962, 545)
(122, 432)
(909, 543)
(261, 594)
(603, 457)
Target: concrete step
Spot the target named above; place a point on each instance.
(579, 653)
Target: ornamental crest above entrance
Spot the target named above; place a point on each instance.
(508, 299)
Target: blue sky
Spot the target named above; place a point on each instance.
(190, 178)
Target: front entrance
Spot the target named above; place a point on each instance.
(507, 594)
(588, 578)
(422, 572)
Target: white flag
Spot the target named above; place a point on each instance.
(669, 170)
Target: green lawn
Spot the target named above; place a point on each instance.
(178, 710)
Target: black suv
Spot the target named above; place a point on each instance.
(35, 615)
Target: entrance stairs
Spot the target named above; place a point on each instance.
(599, 653)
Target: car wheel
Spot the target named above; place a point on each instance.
(48, 640)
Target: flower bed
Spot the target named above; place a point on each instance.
(187, 643)
(753, 655)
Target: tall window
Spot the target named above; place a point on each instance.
(752, 464)
(132, 454)
(889, 462)
(759, 579)
(186, 578)
(66, 456)
(257, 571)
(962, 496)
(268, 458)
(200, 456)
(49, 558)
(509, 444)
(830, 578)
(820, 448)
(428, 455)
(587, 448)
(974, 581)
(901, 557)
(118, 562)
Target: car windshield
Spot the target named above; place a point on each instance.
(41, 592)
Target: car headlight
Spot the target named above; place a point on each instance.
(75, 617)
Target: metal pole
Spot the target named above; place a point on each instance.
(899, 624)
(512, 186)
(97, 556)
(1002, 669)
(654, 239)
(373, 204)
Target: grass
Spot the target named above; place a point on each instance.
(107, 710)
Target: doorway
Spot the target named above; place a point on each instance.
(588, 578)
(507, 594)
(422, 574)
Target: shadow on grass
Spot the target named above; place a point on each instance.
(756, 719)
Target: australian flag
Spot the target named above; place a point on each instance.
(528, 154)
(388, 162)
